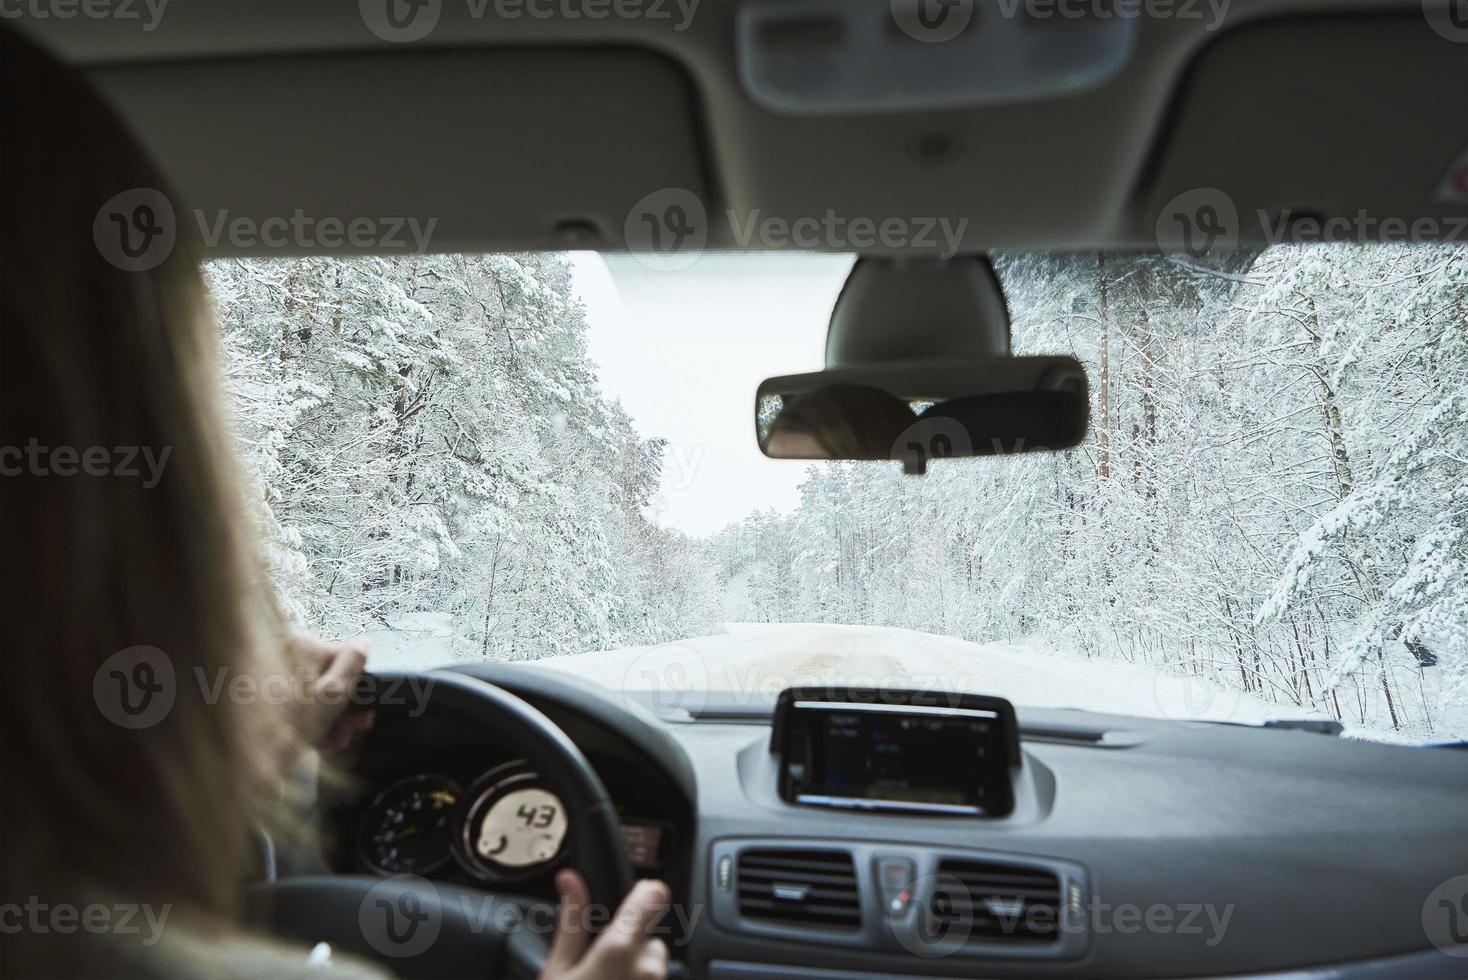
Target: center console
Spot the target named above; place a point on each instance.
(899, 759)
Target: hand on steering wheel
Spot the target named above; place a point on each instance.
(623, 950)
(462, 935)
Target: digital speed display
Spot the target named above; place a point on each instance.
(512, 826)
(521, 828)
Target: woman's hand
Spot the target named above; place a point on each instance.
(322, 717)
(623, 950)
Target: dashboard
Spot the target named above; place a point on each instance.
(1065, 844)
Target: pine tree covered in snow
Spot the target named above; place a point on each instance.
(1272, 495)
(428, 434)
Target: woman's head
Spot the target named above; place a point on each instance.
(123, 529)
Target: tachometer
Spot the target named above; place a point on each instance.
(513, 825)
(409, 827)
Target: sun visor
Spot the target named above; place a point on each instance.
(1350, 128)
(465, 149)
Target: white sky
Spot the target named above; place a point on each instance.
(684, 352)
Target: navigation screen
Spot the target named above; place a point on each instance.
(940, 760)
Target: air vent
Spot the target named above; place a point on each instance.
(799, 887)
(981, 902)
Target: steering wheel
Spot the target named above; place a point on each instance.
(421, 928)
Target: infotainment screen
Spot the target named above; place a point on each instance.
(934, 754)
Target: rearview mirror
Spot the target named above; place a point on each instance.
(915, 411)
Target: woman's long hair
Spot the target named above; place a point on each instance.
(129, 576)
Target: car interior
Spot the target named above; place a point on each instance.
(654, 127)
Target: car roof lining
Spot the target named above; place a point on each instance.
(1084, 171)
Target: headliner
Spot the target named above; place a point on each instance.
(530, 133)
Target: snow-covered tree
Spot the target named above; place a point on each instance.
(428, 434)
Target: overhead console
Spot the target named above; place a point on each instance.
(911, 752)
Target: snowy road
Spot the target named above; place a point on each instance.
(754, 662)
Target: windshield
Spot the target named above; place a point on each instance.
(550, 457)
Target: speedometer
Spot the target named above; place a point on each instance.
(521, 828)
(513, 826)
(408, 828)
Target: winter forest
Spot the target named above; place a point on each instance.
(1271, 497)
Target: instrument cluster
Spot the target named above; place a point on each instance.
(504, 826)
